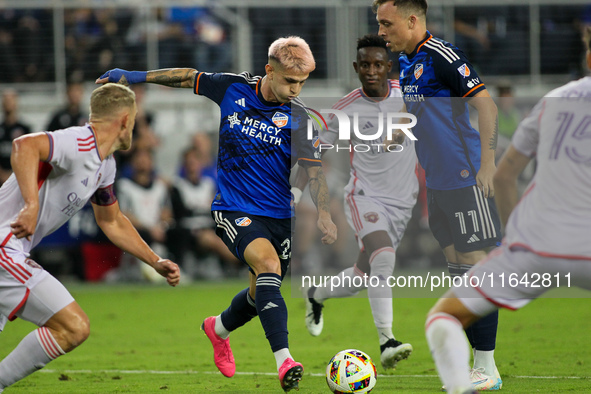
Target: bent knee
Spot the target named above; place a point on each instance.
(452, 306)
(77, 331)
(267, 266)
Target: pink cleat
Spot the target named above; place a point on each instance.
(290, 374)
(222, 354)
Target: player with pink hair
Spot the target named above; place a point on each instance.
(252, 206)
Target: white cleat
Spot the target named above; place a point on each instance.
(314, 319)
(394, 351)
(483, 382)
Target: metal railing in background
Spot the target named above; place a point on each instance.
(49, 42)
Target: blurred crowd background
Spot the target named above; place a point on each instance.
(51, 54)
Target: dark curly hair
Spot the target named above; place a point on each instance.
(371, 41)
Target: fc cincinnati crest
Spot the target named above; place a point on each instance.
(464, 70)
(371, 217)
(280, 119)
(243, 221)
(316, 142)
(418, 70)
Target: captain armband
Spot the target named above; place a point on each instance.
(104, 196)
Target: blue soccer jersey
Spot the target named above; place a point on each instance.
(448, 147)
(255, 145)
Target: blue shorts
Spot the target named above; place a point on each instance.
(238, 229)
(463, 218)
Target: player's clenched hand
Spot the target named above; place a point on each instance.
(25, 223)
(328, 228)
(123, 77)
(169, 270)
(484, 180)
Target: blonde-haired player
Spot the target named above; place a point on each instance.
(55, 174)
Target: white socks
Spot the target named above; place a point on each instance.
(380, 294)
(35, 350)
(281, 355)
(220, 329)
(485, 359)
(450, 351)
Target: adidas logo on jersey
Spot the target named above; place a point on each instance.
(473, 238)
(367, 125)
(269, 306)
(241, 102)
(84, 182)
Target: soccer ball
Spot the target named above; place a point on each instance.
(351, 371)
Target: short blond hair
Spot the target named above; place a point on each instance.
(292, 53)
(109, 99)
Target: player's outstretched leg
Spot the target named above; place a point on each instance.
(482, 337)
(273, 315)
(381, 263)
(450, 351)
(62, 333)
(35, 351)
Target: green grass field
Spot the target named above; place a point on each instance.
(147, 340)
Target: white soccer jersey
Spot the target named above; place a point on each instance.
(387, 176)
(197, 199)
(145, 204)
(69, 178)
(553, 217)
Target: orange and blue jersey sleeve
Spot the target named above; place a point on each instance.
(214, 85)
(459, 74)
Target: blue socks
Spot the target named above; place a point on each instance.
(241, 311)
(269, 305)
(272, 310)
(482, 334)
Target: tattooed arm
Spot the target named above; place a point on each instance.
(173, 77)
(488, 125)
(320, 196)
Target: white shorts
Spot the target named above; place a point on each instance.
(367, 215)
(511, 279)
(27, 290)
